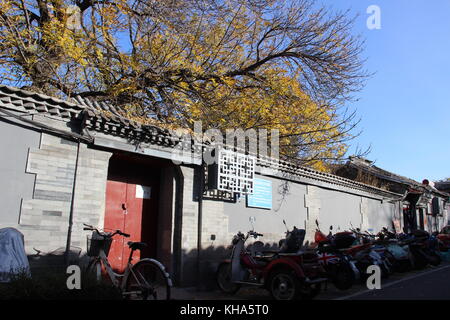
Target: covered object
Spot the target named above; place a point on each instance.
(13, 259)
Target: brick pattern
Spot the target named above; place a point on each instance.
(44, 219)
(90, 192)
(364, 208)
(190, 211)
(313, 205)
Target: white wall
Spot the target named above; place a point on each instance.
(341, 210)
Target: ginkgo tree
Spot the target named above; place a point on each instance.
(250, 64)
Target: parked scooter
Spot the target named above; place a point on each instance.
(367, 253)
(288, 274)
(398, 255)
(340, 267)
(423, 248)
(316, 275)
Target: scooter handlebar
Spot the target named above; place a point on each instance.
(255, 234)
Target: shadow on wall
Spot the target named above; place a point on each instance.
(210, 258)
(42, 264)
(55, 260)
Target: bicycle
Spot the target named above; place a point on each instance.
(146, 279)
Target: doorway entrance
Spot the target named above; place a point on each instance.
(132, 197)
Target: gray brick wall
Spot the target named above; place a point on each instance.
(54, 166)
(90, 192)
(214, 222)
(189, 229)
(44, 218)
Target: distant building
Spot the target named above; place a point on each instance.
(443, 186)
(423, 206)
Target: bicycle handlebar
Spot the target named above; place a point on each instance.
(109, 235)
(126, 235)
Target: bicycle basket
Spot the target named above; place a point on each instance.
(95, 243)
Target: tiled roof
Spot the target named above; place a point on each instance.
(102, 117)
(380, 173)
(106, 118)
(28, 101)
(306, 172)
(443, 186)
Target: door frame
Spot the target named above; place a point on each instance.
(171, 215)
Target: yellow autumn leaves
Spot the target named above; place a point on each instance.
(232, 64)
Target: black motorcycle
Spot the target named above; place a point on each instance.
(340, 267)
(423, 248)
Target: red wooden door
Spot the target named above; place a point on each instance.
(131, 208)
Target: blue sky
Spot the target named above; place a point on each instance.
(405, 106)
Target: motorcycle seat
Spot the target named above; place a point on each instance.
(287, 254)
(265, 257)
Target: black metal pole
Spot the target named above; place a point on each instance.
(200, 222)
(74, 185)
(69, 231)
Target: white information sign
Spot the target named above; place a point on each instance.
(143, 192)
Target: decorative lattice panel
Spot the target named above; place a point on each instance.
(236, 172)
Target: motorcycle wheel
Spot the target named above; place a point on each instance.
(403, 266)
(392, 262)
(362, 268)
(435, 259)
(385, 271)
(223, 279)
(284, 285)
(420, 262)
(344, 277)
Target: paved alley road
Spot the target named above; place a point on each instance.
(432, 284)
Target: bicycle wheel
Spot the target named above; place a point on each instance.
(148, 281)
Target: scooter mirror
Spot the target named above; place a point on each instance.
(285, 225)
(317, 223)
(252, 221)
(331, 227)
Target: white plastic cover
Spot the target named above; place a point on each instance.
(13, 259)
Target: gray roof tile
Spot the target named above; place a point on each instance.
(106, 118)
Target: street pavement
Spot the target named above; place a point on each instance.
(432, 283)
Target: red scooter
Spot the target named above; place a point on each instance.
(340, 267)
(287, 273)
